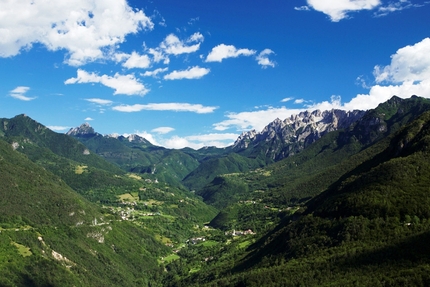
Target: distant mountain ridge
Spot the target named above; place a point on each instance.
(282, 138)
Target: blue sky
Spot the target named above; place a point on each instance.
(199, 73)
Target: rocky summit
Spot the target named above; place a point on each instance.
(83, 130)
(299, 130)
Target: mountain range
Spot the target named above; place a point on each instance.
(320, 198)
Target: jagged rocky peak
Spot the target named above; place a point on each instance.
(244, 139)
(305, 127)
(136, 138)
(83, 130)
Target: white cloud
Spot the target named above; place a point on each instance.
(58, 128)
(361, 81)
(200, 141)
(99, 101)
(379, 94)
(176, 142)
(396, 6)
(137, 61)
(411, 63)
(213, 137)
(173, 45)
(299, 101)
(407, 75)
(339, 9)
(158, 55)
(302, 8)
(286, 100)
(190, 73)
(264, 60)
(223, 51)
(88, 119)
(154, 73)
(19, 94)
(84, 28)
(122, 84)
(163, 130)
(177, 107)
(255, 119)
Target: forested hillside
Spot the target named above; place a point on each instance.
(369, 226)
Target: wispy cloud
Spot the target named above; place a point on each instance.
(82, 27)
(122, 84)
(137, 61)
(155, 72)
(99, 101)
(286, 100)
(177, 107)
(190, 73)
(223, 51)
(19, 94)
(396, 7)
(58, 128)
(302, 8)
(163, 130)
(263, 59)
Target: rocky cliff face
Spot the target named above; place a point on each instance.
(82, 131)
(282, 138)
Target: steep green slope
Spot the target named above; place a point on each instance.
(51, 236)
(27, 189)
(213, 167)
(370, 227)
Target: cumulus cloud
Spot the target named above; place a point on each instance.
(137, 61)
(190, 73)
(223, 51)
(408, 74)
(263, 58)
(339, 9)
(99, 101)
(173, 45)
(122, 84)
(19, 94)
(163, 130)
(411, 63)
(86, 29)
(88, 119)
(177, 107)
